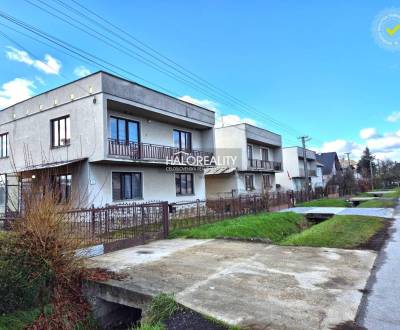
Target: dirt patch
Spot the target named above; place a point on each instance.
(350, 325)
(190, 320)
(377, 241)
(102, 274)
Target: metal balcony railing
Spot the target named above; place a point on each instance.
(264, 165)
(148, 151)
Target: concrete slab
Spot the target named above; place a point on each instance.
(247, 284)
(373, 212)
(380, 192)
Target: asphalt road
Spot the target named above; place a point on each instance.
(381, 307)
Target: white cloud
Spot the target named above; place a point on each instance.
(232, 120)
(393, 117)
(211, 105)
(367, 133)
(341, 146)
(49, 65)
(15, 91)
(81, 71)
(40, 80)
(385, 143)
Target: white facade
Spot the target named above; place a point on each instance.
(151, 119)
(258, 155)
(293, 175)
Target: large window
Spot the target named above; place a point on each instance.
(126, 185)
(183, 140)
(123, 130)
(62, 187)
(184, 183)
(3, 145)
(249, 152)
(266, 182)
(264, 154)
(60, 132)
(249, 182)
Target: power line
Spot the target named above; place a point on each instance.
(233, 101)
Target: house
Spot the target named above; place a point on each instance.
(109, 139)
(257, 155)
(332, 166)
(293, 176)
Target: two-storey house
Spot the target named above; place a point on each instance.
(257, 158)
(293, 176)
(109, 139)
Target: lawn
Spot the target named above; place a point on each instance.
(274, 226)
(325, 202)
(395, 194)
(378, 203)
(18, 320)
(341, 231)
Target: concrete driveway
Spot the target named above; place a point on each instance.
(247, 284)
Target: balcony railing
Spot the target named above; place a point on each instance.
(148, 151)
(310, 172)
(264, 165)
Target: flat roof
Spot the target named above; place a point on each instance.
(112, 75)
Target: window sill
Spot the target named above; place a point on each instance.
(183, 195)
(5, 157)
(119, 201)
(59, 147)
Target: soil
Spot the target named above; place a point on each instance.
(348, 326)
(190, 320)
(377, 241)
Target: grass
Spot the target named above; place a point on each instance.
(326, 202)
(378, 203)
(18, 320)
(395, 194)
(274, 226)
(162, 307)
(341, 231)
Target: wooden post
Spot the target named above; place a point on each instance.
(165, 219)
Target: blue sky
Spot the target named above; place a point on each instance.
(313, 66)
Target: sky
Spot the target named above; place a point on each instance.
(301, 68)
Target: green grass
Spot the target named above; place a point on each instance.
(341, 231)
(325, 202)
(274, 226)
(147, 326)
(378, 203)
(162, 307)
(395, 194)
(18, 320)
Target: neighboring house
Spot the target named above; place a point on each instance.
(318, 180)
(258, 157)
(108, 138)
(332, 166)
(293, 176)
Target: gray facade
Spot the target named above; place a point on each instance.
(149, 122)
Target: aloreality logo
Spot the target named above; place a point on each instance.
(182, 158)
(386, 29)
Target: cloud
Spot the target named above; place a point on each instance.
(81, 71)
(211, 105)
(393, 117)
(15, 91)
(49, 65)
(341, 146)
(232, 120)
(367, 133)
(40, 80)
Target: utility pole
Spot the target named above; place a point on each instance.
(304, 139)
(371, 172)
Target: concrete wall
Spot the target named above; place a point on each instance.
(158, 184)
(221, 185)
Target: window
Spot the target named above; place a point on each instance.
(249, 182)
(264, 154)
(62, 187)
(126, 185)
(60, 132)
(184, 183)
(123, 130)
(3, 145)
(249, 152)
(266, 182)
(183, 140)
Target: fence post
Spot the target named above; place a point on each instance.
(142, 224)
(165, 219)
(93, 221)
(198, 210)
(255, 204)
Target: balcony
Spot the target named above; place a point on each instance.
(154, 152)
(265, 165)
(310, 172)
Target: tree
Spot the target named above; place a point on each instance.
(365, 163)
